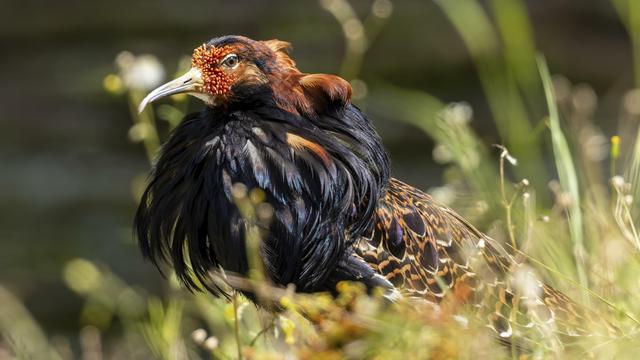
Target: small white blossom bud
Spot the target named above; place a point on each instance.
(211, 343)
(199, 336)
(617, 181)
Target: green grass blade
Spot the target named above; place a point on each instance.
(567, 174)
(629, 13)
(499, 84)
(516, 33)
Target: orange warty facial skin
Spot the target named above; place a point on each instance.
(207, 60)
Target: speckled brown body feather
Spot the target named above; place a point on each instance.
(428, 251)
(421, 247)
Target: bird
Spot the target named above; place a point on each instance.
(337, 213)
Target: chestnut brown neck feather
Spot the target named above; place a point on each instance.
(304, 94)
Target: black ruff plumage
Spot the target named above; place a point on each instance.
(337, 214)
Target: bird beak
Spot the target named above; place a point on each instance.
(190, 82)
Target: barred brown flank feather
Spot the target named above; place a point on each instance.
(419, 246)
(337, 213)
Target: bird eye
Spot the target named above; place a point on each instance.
(230, 61)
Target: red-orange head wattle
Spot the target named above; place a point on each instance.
(207, 59)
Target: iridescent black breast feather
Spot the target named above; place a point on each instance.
(322, 200)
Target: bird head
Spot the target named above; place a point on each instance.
(234, 69)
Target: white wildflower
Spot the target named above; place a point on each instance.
(632, 102)
(442, 154)
(143, 72)
(199, 336)
(458, 113)
(617, 181)
(443, 194)
(360, 89)
(584, 99)
(382, 8)
(211, 343)
(596, 147)
(527, 283)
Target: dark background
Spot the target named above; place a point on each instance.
(66, 164)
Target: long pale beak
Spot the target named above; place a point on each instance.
(190, 82)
